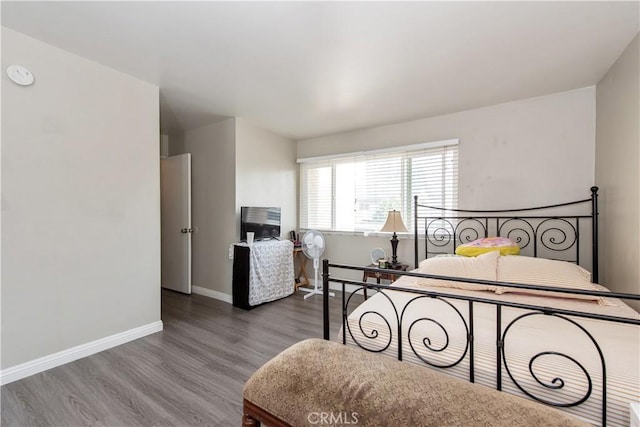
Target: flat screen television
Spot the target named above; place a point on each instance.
(264, 222)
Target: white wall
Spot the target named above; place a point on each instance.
(617, 165)
(80, 202)
(266, 173)
(234, 164)
(164, 145)
(213, 192)
(175, 144)
(531, 152)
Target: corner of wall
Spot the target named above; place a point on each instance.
(213, 188)
(617, 160)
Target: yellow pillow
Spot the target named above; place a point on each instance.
(489, 244)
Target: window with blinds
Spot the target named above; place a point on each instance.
(355, 192)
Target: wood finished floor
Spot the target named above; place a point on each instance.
(191, 373)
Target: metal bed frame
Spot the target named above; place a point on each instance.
(552, 233)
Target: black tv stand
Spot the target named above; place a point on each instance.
(243, 263)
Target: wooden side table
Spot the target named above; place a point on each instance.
(301, 278)
(380, 275)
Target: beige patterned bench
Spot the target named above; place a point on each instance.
(317, 382)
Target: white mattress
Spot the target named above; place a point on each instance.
(620, 345)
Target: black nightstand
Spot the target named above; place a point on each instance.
(380, 275)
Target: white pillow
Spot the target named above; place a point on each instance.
(545, 272)
(483, 267)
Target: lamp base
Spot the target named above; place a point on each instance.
(394, 249)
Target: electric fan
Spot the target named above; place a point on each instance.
(313, 247)
(377, 254)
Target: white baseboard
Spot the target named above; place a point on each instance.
(348, 288)
(41, 364)
(212, 294)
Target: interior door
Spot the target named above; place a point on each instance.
(175, 193)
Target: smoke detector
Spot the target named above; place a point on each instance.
(20, 75)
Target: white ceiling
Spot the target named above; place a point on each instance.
(310, 69)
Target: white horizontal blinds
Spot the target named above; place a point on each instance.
(435, 181)
(378, 190)
(356, 193)
(345, 190)
(316, 200)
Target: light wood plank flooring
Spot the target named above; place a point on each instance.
(192, 373)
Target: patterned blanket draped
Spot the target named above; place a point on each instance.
(271, 272)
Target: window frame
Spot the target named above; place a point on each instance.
(404, 152)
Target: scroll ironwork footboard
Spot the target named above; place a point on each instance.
(578, 382)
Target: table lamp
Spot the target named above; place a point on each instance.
(394, 224)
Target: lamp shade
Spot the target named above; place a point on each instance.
(394, 223)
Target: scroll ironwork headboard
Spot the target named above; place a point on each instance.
(535, 232)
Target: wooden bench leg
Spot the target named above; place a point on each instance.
(249, 421)
(254, 415)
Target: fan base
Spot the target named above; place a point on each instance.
(312, 292)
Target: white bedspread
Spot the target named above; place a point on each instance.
(620, 345)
